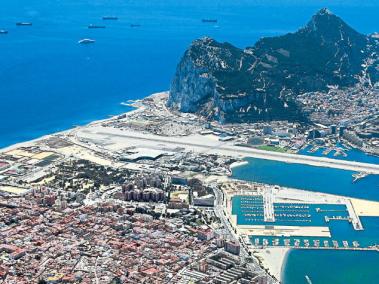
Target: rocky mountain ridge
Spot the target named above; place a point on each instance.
(262, 82)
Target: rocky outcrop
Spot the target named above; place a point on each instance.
(229, 84)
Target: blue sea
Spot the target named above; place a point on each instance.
(331, 267)
(48, 82)
(319, 179)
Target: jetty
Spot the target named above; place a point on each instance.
(356, 222)
(338, 218)
(327, 151)
(268, 206)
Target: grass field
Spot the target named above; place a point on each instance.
(271, 148)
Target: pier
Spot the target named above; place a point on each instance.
(356, 222)
(352, 218)
(268, 206)
(318, 210)
(326, 246)
(338, 218)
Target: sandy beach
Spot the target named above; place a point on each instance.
(194, 142)
(138, 108)
(272, 259)
(365, 207)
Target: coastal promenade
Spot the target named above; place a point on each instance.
(211, 145)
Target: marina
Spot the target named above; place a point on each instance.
(279, 217)
(338, 151)
(309, 222)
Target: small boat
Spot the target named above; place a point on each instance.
(96, 27)
(86, 41)
(23, 24)
(308, 279)
(110, 18)
(3, 32)
(135, 25)
(358, 176)
(209, 20)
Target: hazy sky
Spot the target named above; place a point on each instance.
(308, 2)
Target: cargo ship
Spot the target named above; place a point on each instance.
(23, 24)
(209, 20)
(110, 18)
(86, 41)
(96, 26)
(3, 32)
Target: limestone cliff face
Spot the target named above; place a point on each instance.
(213, 79)
(194, 81)
(229, 84)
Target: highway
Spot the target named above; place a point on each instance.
(225, 148)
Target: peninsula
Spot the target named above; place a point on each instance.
(149, 196)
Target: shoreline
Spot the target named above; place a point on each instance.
(238, 164)
(132, 104)
(225, 149)
(284, 264)
(273, 260)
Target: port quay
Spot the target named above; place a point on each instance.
(302, 220)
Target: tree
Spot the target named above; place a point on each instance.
(116, 280)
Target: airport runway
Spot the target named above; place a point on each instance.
(225, 148)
